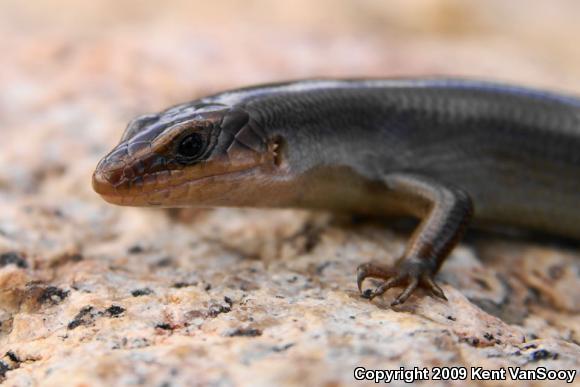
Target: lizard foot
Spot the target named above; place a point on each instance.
(408, 274)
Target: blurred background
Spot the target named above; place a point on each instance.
(80, 278)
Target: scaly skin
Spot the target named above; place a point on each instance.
(442, 150)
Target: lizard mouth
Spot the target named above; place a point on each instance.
(173, 189)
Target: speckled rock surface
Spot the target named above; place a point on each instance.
(92, 294)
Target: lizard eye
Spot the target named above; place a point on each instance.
(191, 146)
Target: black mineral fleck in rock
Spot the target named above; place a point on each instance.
(245, 332)
(542, 354)
(13, 258)
(53, 295)
(3, 369)
(85, 316)
(163, 326)
(141, 292)
(114, 311)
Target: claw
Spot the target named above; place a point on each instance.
(369, 270)
(434, 288)
(361, 275)
(406, 293)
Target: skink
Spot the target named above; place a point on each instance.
(442, 150)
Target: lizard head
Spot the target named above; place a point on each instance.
(196, 154)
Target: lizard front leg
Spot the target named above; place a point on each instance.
(444, 212)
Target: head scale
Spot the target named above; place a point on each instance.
(194, 154)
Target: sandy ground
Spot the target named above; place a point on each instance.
(92, 294)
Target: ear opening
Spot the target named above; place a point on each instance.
(278, 148)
